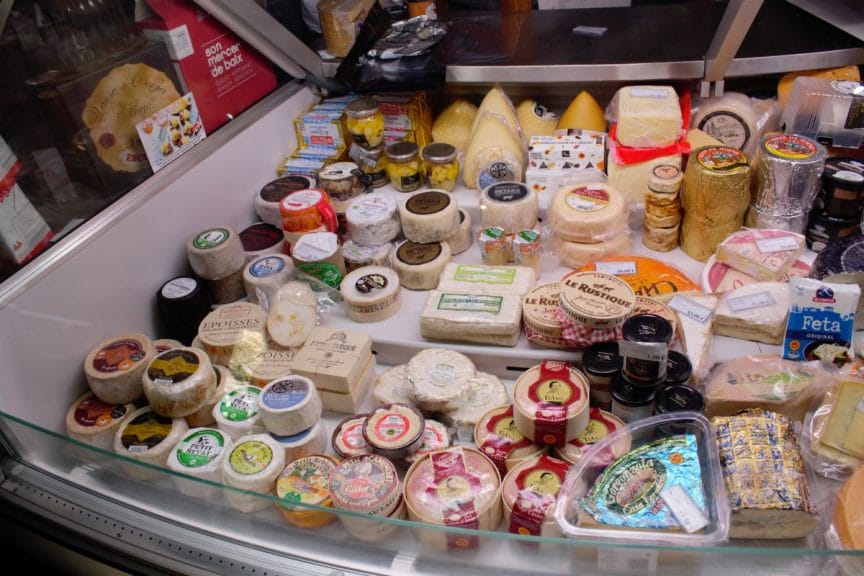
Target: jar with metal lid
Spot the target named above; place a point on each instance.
(645, 348)
(365, 122)
(678, 368)
(630, 402)
(440, 165)
(373, 162)
(403, 166)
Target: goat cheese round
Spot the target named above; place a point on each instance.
(293, 314)
(439, 378)
(237, 412)
(289, 405)
(371, 294)
(373, 219)
(178, 382)
(234, 333)
(115, 367)
(215, 253)
(148, 437)
(551, 403)
(204, 415)
(420, 265)
(588, 213)
(429, 216)
(253, 464)
(357, 256)
(462, 238)
(199, 454)
(508, 205)
(264, 276)
(94, 422)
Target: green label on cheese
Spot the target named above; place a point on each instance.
(485, 274)
(211, 238)
(470, 303)
(200, 448)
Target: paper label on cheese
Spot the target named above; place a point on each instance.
(721, 158)
(326, 272)
(178, 288)
(173, 367)
(299, 201)
(93, 412)
(778, 244)
(118, 356)
(211, 238)
(306, 481)
(502, 438)
(266, 267)
(428, 202)
(507, 191)
(286, 393)
(691, 309)
(538, 487)
(350, 437)
(392, 427)
(648, 93)
(553, 393)
(415, 254)
(615, 268)
(727, 127)
(453, 488)
(200, 448)
(146, 431)
(688, 514)
(501, 275)
(750, 301)
(250, 457)
(790, 147)
(470, 302)
(587, 199)
(371, 283)
(239, 405)
(365, 484)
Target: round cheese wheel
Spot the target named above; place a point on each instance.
(539, 316)
(497, 437)
(204, 415)
(115, 367)
(588, 213)
(306, 210)
(484, 391)
(371, 294)
(234, 334)
(293, 314)
(268, 198)
(394, 431)
(215, 253)
(439, 378)
(200, 453)
(261, 239)
(731, 118)
(306, 481)
(435, 437)
(576, 254)
(373, 220)
(319, 255)
(310, 441)
(272, 364)
(366, 484)
(529, 492)
(596, 300)
(393, 387)
(429, 216)
(253, 464)
(147, 437)
(550, 403)
(462, 238)
(662, 219)
(420, 265)
(289, 405)
(508, 205)
(178, 382)
(182, 302)
(264, 276)
(228, 289)
(237, 412)
(348, 440)
(665, 179)
(165, 344)
(357, 256)
(94, 422)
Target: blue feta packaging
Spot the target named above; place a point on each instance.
(821, 321)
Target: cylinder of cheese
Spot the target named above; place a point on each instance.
(264, 276)
(306, 210)
(394, 431)
(347, 439)
(373, 220)
(319, 255)
(371, 294)
(273, 363)
(600, 425)
(94, 422)
(357, 256)
(367, 485)
(588, 213)
(539, 316)
(289, 405)
(306, 481)
(313, 440)
(147, 437)
(115, 367)
(237, 413)
(200, 454)
(462, 238)
(484, 390)
(293, 314)
(716, 193)
(731, 119)
(596, 300)
(228, 289)
(420, 265)
(550, 403)
(261, 239)
(529, 492)
(234, 334)
(497, 436)
(508, 205)
(179, 382)
(291, 238)
(576, 254)
(215, 253)
(182, 303)
(393, 387)
(660, 239)
(204, 415)
(439, 378)
(253, 464)
(268, 198)
(430, 216)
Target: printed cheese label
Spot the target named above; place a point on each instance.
(416, 254)
(286, 393)
(391, 428)
(173, 367)
(239, 405)
(587, 199)
(250, 457)
(266, 267)
(615, 268)
(727, 127)
(454, 488)
(538, 487)
(721, 158)
(498, 275)
(351, 440)
(146, 431)
(302, 200)
(211, 238)
(200, 448)
(778, 244)
(598, 428)
(553, 393)
(365, 483)
(507, 191)
(750, 301)
(426, 203)
(119, 356)
(790, 147)
(691, 309)
(470, 303)
(179, 288)
(278, 189)
(306, 481)
(502, 438)
(93, 412)
(371, 283)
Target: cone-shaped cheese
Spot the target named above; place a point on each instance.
(454, 124)
(536, 120)
(583, 113)
(498, 103)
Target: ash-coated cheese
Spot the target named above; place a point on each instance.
(460, 316)
(485, 391)
(333, 358)
(94, 422)
(588, 213)
(440, 378)
(204, 415)
(179, 382)
(508, 205)
(293, 314)
(373, 219)
(420, 265)
(215, 253)
(648, 116)
(754, 312)
(371, 294)
(577, 254)
(147, 437)
(516, 280)
(357, 256)
(350, 402)
(264, 276)
(393, 387)
(429, 216)
(234, 333)
(115, 367)
(253, 464)
(200, 453)
(462, 238)
(289, 405)
(237, 412)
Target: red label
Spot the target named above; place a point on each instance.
(119, 355)
(553, 393)
(502, 439)
(392, 427)
(94, 412)
(454, 489)
(538, 488)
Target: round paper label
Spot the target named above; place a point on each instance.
(179, 288)
(173, 367)
(200, 448)
(93, 412)
(211, 238)
(790, 147)
(416, 254)
(721, 158)
(428, 202)
(250, 457)
(371, 283)
(239, 405)
(267, 266)
(587, 199)
(119, 356)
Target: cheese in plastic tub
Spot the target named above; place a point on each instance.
(667, 490)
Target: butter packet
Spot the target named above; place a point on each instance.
(821, 321)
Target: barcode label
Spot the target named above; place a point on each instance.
(624, 560)
(691, 309)
(684, 509)
(782, 244)
(751, 301)
(651, 351)
(616, 268)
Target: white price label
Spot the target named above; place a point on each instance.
(685, 510)
(782, 244)
(648, 93)
(616, 268)
(651, 351)
(751, 301)
(624, 560)
(691, 309)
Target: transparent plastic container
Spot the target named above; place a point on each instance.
(656, 485)
(831, 111)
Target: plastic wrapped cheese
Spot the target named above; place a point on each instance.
(472, 317)
(237, 412)
(357, 256)
(632, 179)
(393, 387)
(497, 103)
(252, 464)
(289, 405)
(293, 314)
(264, 276)
(179, 382)
(535, 119)
(485, 391)
(453, 125)
(588, 213)
(648, 116)
(762, 254)
(234, 334)
(731, 118)
(306, 442)
(695, 318)
(754, 312)
(204, 415)
(508, 205)
(439, 378)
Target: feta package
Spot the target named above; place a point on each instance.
(821, 320)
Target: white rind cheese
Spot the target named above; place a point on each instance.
(253, 464)
(469, 317)
(216, 253)
(94, 422)
(293, 315)
(429, 216)
(462, 238)
(237, 412)
(373, 219)
(440, 378)
(371, 294)
(289, 405)
(576, 254)
(420, 265)
(588, 213)
(350, 403)
(234, 333)
(305, 443)
(393, 387)
(696, 334)
(485, 391)
(115, 367)
(179, 382)
(754, 312)
(357, 256)
(477, 278)
(204, 415)
(648, 116)
(147, 437)
(263, 277)
(508, 205)
(200, 453)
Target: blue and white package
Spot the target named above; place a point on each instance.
(821, 321)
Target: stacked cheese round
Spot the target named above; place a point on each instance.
(310, 441)
(429, 216)
(357, 256)
(179, 382)
(217, 255)
(662, 208)
(289, 405)
(593, 306)
(551, 403)
(539, 316)
(253, 464)
(348, 440)
(204, 415)
(600, 424)
(371, 294)
(420, 265)
(147, 437)
(262, 277)
(394, 430)
(497, 436)
(200, 454)
(268, 198)
(484, 390)
(462, 238)
(272, 364)
(319, 255)
(237, 412)
(393, 387)
(373, 220)
(115, 367)
(94, 422)
(529, 492)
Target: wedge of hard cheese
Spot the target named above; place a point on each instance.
(754, 312)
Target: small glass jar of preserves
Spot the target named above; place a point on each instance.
(440, 165)
(403, 166)
(373, 162)
(365, 122)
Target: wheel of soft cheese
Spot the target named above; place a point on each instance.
(485, 391)
(94, 422)
(165, 344)
(215, 253)
(600, 424)
(264, 276)
(178, 382)
(289, 405)
(237, 412)
(200, 453)
(498, 438)
(293, 314)
(271, 194)
(348, 440)
(371, 294)
(596, 300)
(204, 415)
(394, 431)
(529, 492)
(550, 403)
(357, 256)
(273, 363)
(588, 213)
(310, 441)
(115, 367)
(429, 216)
(576, 254)
(436, 436)
(420, 265)
(462, 238)
(147, 437)
(367, 485)
(234, 333)
(393, 387)
(440, 378)
(508, 205)
(539, 316)
(373, 219)
(253, 464)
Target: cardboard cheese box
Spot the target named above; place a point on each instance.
(333, 359)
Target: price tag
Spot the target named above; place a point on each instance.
(782, 244)
(691, 309)
(685, 510)
(751, 301)
(652, 351)
(616, 268)
(624, 560)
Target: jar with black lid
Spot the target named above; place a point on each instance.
(678, 398)
(631, 402)
(842, 193)
(678, 368)
(645, 348)
(601, 363)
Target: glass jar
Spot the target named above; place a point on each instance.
(440, 165)
(373, 162)
(403, 166)
(365, 122)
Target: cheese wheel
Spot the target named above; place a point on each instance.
(319, 255)
(462, 238)
(429, 216)
(600, 425)
(115, 367)
(350, 402)
(393, 387)
(357, 256)
(291, 238)
(307, 210)
(268, 198)
(731, 119)
(367, 485)
(648, 116)
(394, 430)
(264, 276)
(228, 289)
(539, 316)
(439, 378)
(306, 442)
(306, 481)
(660, 239)
(261, 239)
(596, 300)
(215, 253)
(179, 382)
(293, 315)
(371, 294)
(420, 265)
(529, 492)
(204, 415)
(147, 437)
(237, 412)
(497, 437)
(848, 516)
(588, 213)
(94, 422)
(435, 437)
(200, 453)
(576, 255)
(550, 403)
(484, 391)
(508, 205)
(253, 464)
(373, 220)
(665, 179)
(271, 364)
(234, 333)
(289, 405)
(165, 344)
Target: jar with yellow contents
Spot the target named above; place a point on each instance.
(365, 123)
(440, 165)
(403, 166)
(373, 162)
